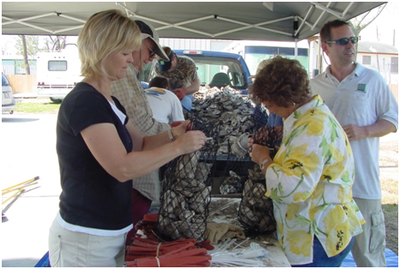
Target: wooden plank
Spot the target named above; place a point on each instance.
(22, 83)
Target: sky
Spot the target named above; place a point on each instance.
(384, 25)
(383, 29)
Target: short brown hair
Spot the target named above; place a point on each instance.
(281, 82)
(160, 82)
(325, 32)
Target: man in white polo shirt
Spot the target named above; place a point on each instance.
(367, 109)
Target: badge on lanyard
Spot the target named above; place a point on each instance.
(362, 87)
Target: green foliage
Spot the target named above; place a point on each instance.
(32, 45)
(37, 107)
(391, 212)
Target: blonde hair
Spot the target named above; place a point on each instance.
(104, 33)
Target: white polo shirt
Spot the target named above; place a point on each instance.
(362, 98)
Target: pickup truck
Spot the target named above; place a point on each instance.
(214, 68)
(221, 69)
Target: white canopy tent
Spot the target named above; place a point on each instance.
(279, 21)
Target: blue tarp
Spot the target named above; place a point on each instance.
(44, 261)
(391, 260)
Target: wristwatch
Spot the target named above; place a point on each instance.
(263, 163)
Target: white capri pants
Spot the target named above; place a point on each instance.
(75, 249)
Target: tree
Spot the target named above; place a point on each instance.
(25, 53)
(27, 45)
(362, 21)
(7, 45)
(32, 44)
(55, 43)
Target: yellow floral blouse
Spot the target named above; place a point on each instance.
(310, 184)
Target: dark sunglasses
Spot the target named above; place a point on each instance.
(152, 53)
(344, 41)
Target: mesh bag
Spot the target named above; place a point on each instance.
(235, 173)
(186, 190)
(267, 136)
(256, 210)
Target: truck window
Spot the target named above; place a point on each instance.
(57, 65)
(208, 67)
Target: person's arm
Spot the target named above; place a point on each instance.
(131, 95)
(176, 109)
(298, 163)
(151, 142)
(259, 154)
(386, 109)
(379, 129)
(104, 143)
(194, 87)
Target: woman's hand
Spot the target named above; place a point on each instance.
(191, 141)
(259, 153)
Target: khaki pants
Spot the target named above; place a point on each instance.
(369, 247)
(75, 249)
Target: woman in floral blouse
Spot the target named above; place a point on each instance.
(311, 176)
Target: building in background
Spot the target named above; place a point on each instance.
(14, 65)
(381, 57)
(255, 52)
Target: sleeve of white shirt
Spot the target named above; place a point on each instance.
(387, 107)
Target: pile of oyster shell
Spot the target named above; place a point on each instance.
(186, 190)
(231, 184)
(256, 210)
(185, 197)
(228, 109)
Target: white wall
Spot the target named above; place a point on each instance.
(195, 44)
(380, 63)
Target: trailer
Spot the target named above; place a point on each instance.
(57, 73)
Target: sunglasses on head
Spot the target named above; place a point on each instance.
(344, 41)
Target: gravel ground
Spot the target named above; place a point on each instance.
(389, 176)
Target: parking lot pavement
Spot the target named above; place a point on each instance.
(24, 236)
(28, 150)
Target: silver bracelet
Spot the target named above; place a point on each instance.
(262, 164)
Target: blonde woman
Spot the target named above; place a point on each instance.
(100, 150)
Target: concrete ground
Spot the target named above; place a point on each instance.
(28, 150)
(27, 144)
